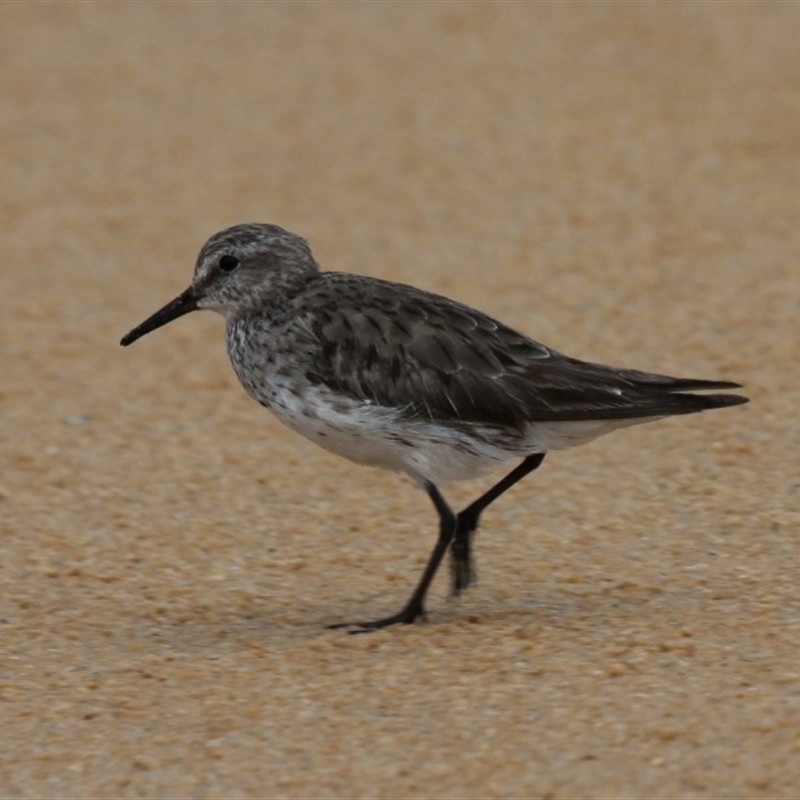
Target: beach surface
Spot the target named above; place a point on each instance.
(619, 181)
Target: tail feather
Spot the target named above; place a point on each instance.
(689, 403)
(671, 384)
(570, 390)
(694, 385)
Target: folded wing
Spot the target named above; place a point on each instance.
(434, 359)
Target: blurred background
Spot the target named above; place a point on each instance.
(616, 180)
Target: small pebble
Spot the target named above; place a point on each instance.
(78, 419)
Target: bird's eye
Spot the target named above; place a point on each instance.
(228, 263)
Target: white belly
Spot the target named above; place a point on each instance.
(428, 452)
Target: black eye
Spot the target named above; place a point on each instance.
(228, 263)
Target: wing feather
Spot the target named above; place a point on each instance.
(433, 358)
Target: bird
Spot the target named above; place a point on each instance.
(392, 376)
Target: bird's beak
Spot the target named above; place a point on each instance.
(182, 304)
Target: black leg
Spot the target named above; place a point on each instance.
(462, 566)
(414, 609)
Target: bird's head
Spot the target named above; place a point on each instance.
(237, 269)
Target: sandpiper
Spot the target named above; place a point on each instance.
(396, 377)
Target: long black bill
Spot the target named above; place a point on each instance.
(181, 305)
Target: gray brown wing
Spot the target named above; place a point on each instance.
(436, 359)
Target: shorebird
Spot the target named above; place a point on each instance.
(393, 376)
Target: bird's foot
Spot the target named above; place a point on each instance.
(407, 616)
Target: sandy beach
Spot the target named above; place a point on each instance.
(619, 181)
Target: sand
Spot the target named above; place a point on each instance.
(619, 181)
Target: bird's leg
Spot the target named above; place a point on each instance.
(462, 563)
(414, 609)
(462, 566)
